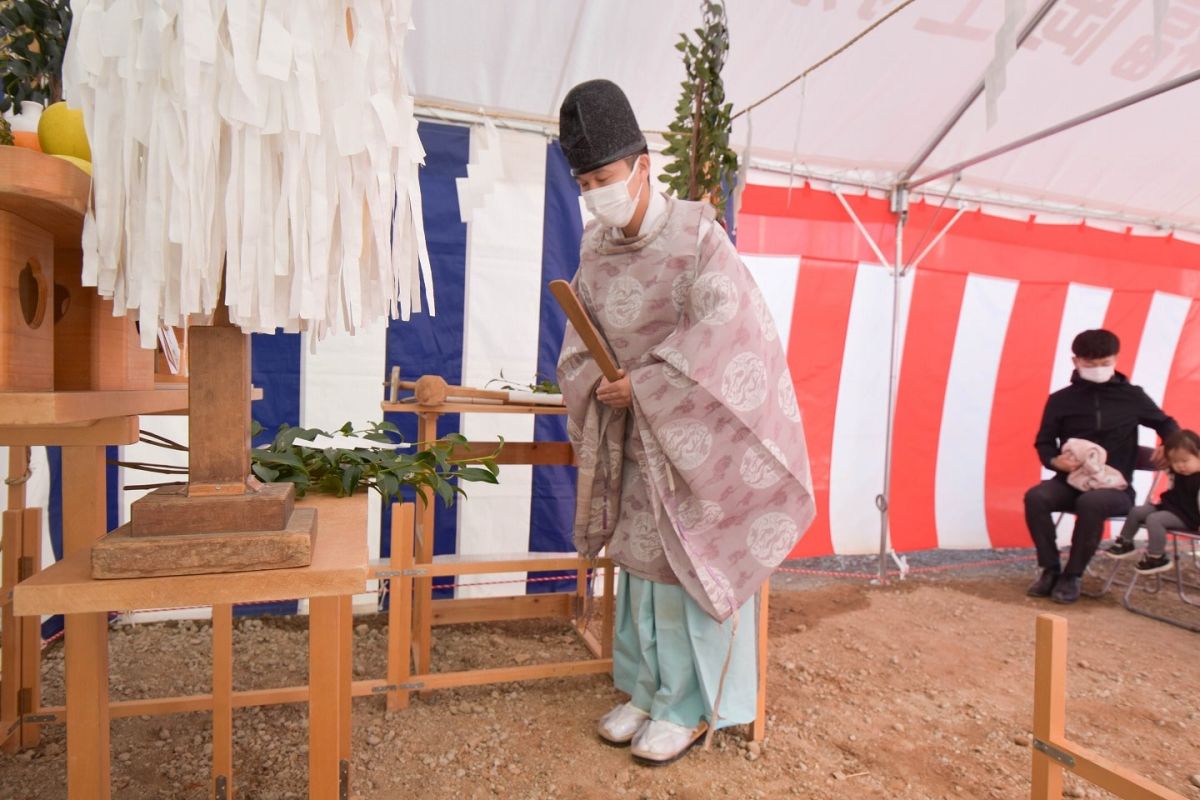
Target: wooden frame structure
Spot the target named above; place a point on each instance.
(338, 571)
(411, 570)
(413, 573)
(1053, 753)
(416, 576)
(82, 423)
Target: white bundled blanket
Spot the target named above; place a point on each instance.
(254, 134)
(1093, 471)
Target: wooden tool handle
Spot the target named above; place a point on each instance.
(583, 326)
(482, 394)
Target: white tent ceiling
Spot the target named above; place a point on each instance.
(869, 111)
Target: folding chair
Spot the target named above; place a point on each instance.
(1145, 463)
(1153, 584)
(1181, 584)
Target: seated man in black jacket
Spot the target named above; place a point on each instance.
(1103, 407)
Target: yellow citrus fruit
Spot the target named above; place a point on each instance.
(86, 166)
(61, 133)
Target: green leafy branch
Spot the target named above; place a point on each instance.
(341, 472)
(703, 164)
(33, 38)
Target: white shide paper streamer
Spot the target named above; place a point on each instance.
(256, 135)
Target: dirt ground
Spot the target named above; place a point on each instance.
(920, 689)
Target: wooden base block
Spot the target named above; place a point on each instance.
(170, 511)
(122, 555)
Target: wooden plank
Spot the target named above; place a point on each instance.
(1112, 777)
(222, 700)
(528, 672)
(158, 706)
(85, 504)
(169, 510)
(123, 555)
(462, 610)
(86, 666)
(218, 404)
(573, 307)
(758, 730)
(400, 593)
(324, 704)
(591, 642)
(31, 627)
(26, 306)
(338, 567)
(423, 553)
(1049, 703)
(114, 430)
(53, 408)
(10, 630)
(520, 452)
(472, 408)
(51, 191)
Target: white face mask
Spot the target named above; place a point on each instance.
(1097, 374)
(612, 204)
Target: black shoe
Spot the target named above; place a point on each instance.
(1152, 565)
(1121, 549)
(1044, 585)
(1066, 590)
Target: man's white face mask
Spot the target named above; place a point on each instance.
(1097, 374)
(612, 204)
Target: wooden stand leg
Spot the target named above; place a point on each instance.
(222, 708)
(325, 682)
(31, 629)
(759, 729)
(400, 590)
(345, 679)
(88, 776)
(1049, 703)
(423, 594)
(85, 517)
(84, 520)
(11, 635)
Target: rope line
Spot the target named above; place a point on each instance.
(861, 35)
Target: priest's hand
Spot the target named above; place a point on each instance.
(615, 394)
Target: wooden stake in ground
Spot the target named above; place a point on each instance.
(1052, 753)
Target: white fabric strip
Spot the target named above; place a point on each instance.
(218, 148)
(1152, 368)
(860, 424)
(341, 380)
(502, 314)
(960, 485)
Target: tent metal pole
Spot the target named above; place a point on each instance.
(1118, 105)
(966, 102)
(900, 209)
